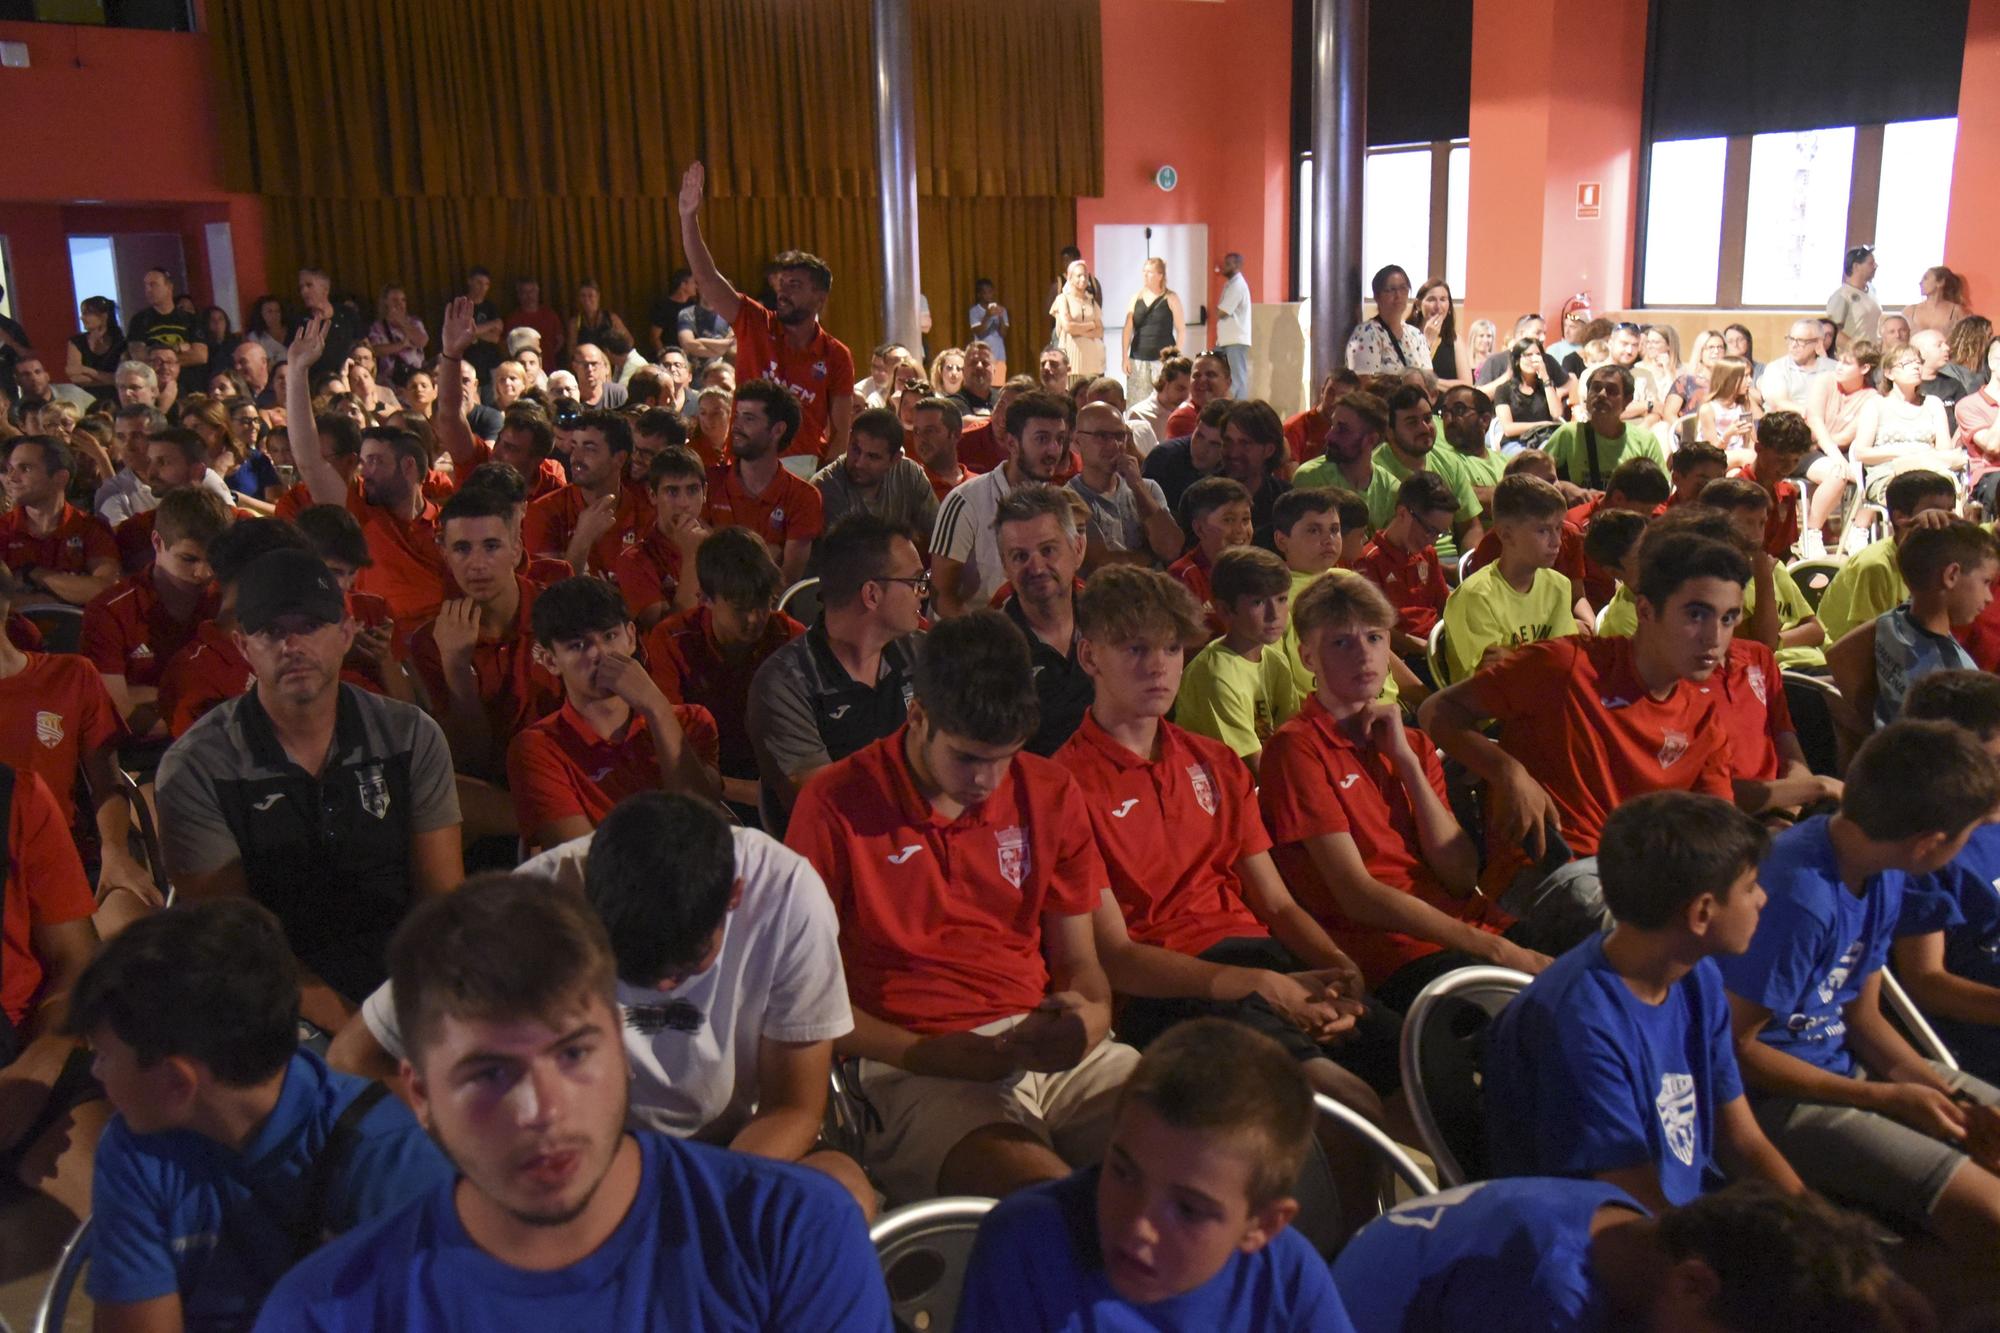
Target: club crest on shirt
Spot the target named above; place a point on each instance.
(373, 789)
(1204, 789)
(1420, 572)
(1672, 747)
(1755, 675)
(1012, 846)
(1676, 1105)
(49, 728)
(819, 370)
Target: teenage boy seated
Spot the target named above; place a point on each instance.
(1869, 583)
(1236, 687)
(1186, 1224)
(1355, 803)
(1800, 638)
(211, 668)
(234, 1150)
(707, 655)
(616, 733)
(965, 876)
(1582, 1254)
(1216, 511)
(1949, 572)
(1315, 530)
(1860, 1115)
(1519, 599)
(728, 975)
(132, 628)
(1354, 531)
(1945, 951)
(652, 572)
(476, 656)
(1588, 723)
(1403, 562)
(1691, 468)
(1616, 1063)
(1783, 441)
(1613, 544)
(561, 1217)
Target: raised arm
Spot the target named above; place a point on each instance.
(717, 292)
(453, 432)
(315, 473)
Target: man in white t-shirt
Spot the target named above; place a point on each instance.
(1787, 379)
(1232, 323)
(729, 980)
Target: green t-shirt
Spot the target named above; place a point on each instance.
(1380, 492)
(1566, 450)
(1485, 610)
(1862, 589)
(1447, 463)
(1287, 648)
(1234, 700)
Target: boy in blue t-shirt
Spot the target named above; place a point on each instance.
(1858, 1113)
(1534, 1255)
(234, 1152)
(1947, 950)
(1616, 1062)
(1184, 1226)
(560, 1218)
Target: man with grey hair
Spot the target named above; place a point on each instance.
(1041, 550)
(1788, 378)
(127, 493)
(137, 385)
(252, 365)
(1232, 323)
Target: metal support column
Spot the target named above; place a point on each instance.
(896, 169)
(1339, 142)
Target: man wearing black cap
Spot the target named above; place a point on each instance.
(331, 806)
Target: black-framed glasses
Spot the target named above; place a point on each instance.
(920, 583)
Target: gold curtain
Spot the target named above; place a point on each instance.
(404, 143)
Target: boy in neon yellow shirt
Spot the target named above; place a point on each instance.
(1870, 583)
(1519, 598)
(1612, 543)
(1234, 688)
(1310, 530)
(1800, 639)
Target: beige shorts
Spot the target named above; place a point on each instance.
(924, 1117)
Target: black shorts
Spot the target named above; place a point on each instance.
(1369, 1050)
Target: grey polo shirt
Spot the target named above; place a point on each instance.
(905, 497)
(805, 711)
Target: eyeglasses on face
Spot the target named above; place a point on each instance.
(920, 583)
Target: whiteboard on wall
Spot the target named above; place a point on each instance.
(1120, 251)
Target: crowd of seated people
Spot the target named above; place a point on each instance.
(545, 765)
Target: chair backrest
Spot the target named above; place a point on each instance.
(54, 1306)
(1813, 576)
(923, 1249)
(60, 623)
(1904, 1013)
(1435, 655)
(1688, 429)
(1603, 613)
(1810, 699)
(1465, 566)
(149, 835)
(1444, 1042)
(844, 1124)
(801, 600)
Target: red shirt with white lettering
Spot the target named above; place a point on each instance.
(76, 543)
(816, 374)
(941, 919)
(127, 630)
(648, 571)
(514, 688)
(551, 521)
(788, 509)
(561, 767)
(689, 667)
(53, 712)
(1414, 584)
(45, 887)
(1171, 830)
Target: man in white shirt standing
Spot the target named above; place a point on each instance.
(1232, 324)
(1852, 306)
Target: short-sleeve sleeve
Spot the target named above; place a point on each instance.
(1521, 684)
(540, 782)
(698, 726)
(808, 517)
(1931, 903)
(194, 837)
(1783, 959)
(1297, 799)
(45, 855)
(839, 373)
(433, 785)
(99, 720)
(808, 999)
(1077, 879)
(99, 545)
(131, 1255)
(642, 582)
(781, 722)
(1220, 707)
(952, 536)
(1726, 1075)
(378, 1013)
(815, 832)
(102, 642)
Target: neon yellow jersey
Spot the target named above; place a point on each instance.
(1447, 463)
(1862, 589)
(1621, 615)
(1566, 450)
(1231, 699)
(1485, 610)
(1303, 682)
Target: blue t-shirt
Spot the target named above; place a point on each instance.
(179, 1212)
(1037, 1265)
(1500, 1256)
(1582, 1076)
(1963, 901)
(714, 1240)
(1815, 945)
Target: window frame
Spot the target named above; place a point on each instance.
(1440, 151)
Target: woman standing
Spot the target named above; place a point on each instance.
(1944, 302)
(267, 328)
(95, 353)
(1079, 323)
(398, 338)
(591, 320)
(1154, 323)
(1451, 360)
(1385, 344)
(1527, 408)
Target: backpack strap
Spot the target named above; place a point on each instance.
(327, 1165)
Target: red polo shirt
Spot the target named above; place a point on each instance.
(45, 887)
(648, 571)
(551, 522)
(1781, 521)
(128, 632)
(1305, 434)
(1749, 696)
(1571, 562)
(979, 448)
(1182, 421)
(941, 920)
(1172, 831)
(1195, 569)
(408, 572)
(941, 488)
(78, 541)
(1414, 584)
(1574, 712)
(816, 374)
(560, 766)
(54, 711)
(513, 688)
(689, 667)
(540, 570)
(1316, 780)
(789, 509)
(548, 479)
(133, 540)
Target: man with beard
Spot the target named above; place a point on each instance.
(1412, 448)
(875, 475)
(965, 552)
(592, 520)
(1253, 451)
(784, 343)
(506, 1001)
(976, 392)
(1360, 423)
(755, 490)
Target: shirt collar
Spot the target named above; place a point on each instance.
(910, 801)
(262, 738)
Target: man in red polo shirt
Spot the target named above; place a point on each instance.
(134, 627)
(965, 877)
(1402, 558)
(503, 480)
(47, 542)
(1586, 723)
(785, 344)
(708, 655)
(339, 444)
(653, 571)
(615, 733)
(591, 521)
(476, 658)
(756, 490)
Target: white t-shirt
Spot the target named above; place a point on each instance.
(1232, 313)
(964, 532)
(693, 1049)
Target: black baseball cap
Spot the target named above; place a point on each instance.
(287, 583)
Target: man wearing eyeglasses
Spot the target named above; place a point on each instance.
(1787, 381)
(1852, 306)
(1130, 522)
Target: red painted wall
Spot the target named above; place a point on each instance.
(1205, 85)
(1975, 173)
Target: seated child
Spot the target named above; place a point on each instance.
(1184, 1226)
(1949, 571)
(1520, 598)
(1234, 689)
(1612, 543)
(1692, 467)
(1800, 638)
(1616, 1063)
(1869, 583)
(1783, 441)
(1402, 560)
(1216, 512)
